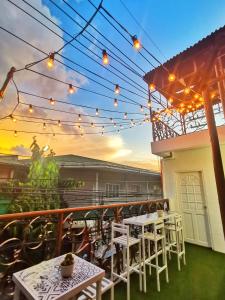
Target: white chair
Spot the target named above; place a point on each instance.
(122, 239)
(157, 237)
(90, 292)
(175, 239)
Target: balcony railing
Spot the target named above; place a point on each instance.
(29, 238)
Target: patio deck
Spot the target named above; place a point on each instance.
(203, 278)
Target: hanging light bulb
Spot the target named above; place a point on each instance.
(97, 112)
(79, 117)
(115, 102)
(50, 61)
(59, 123)
(103, 128)
(121, 126)
(171, 77)
(102, 133)
(30, 108)
(111, 119)
(15, 133)
(44, 126)
(92, 125)
(71, 89)
(170, 100)
(12, 118)
(136, 42)
(196, 96)
(117, 89)
(114, 124)
(149, 103)
(187, 90)
(152, 86)
(125, 115)
(141, 108)
(51, 101)
(105, 58)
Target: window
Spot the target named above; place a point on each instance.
(112, 190)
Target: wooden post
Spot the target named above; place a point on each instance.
(6, 82)
(216, 153)
(59, 234)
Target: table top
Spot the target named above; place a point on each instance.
(44, 281)
(147, 219)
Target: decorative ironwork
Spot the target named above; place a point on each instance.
(29, 238)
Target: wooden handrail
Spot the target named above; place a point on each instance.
(74, 209)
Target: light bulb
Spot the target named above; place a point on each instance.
(97, 112)
(141, 108)
(125, 115)
(44, 126)
(136, 42)
(51, 101)
(115, 102)
(149, 103)
(151, 86)
(79, 117)
(117, 89)
(187, 90)
(15, 133)
(105, 58)
(171, 77)
(59, 123)
(30, 108)
(103, 128)
(71, 89)
(50, 61)
(12, 118)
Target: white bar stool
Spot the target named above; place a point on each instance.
(175, 239)
(158, 235)
(121, 237)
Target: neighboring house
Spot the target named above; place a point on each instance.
(105, 182)
(182, 139)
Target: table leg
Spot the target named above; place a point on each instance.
(98, 290)
(143, 258)
(16, 293)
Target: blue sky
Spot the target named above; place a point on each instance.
(173, 25)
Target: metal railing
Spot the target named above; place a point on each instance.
(29, 238)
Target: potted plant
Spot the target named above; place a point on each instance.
(67, 265)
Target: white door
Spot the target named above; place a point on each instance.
(193, 207)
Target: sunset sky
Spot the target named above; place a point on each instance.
(172, 25)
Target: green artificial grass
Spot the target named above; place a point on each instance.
(203, 278)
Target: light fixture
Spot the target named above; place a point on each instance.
(31, 108)
(115, 102)
(79, 117)
(152, 86)
(125, 115)
(12, 118)
(15, 133)
(171, 77)
(50, 61)
(51, 101)
(187, 90)
(136, 42)
(71, 89)
(105, 58)
(59, 123)
(117, 89)
(97, 112)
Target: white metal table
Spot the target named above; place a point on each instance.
(44, 281)
(145, 220)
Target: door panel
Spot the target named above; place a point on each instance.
(192, 204)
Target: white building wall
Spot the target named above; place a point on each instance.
(199, 159)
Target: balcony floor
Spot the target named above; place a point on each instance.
(202, 278)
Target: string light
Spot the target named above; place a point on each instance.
(50, 61)
(136, 42)
(152, 86)
(171, 77)
(115, 102)
(31, 108)
(79, 117)
(105, 58)
(117, 89)
(51, 101)
(15, 133)
(12, 118)
(71, 89)
(44, 125)
(196, 96)
(97, 112)
(59, 123)
(125, 115)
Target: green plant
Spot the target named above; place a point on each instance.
(68, 260)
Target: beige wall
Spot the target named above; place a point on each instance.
(196, 160)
